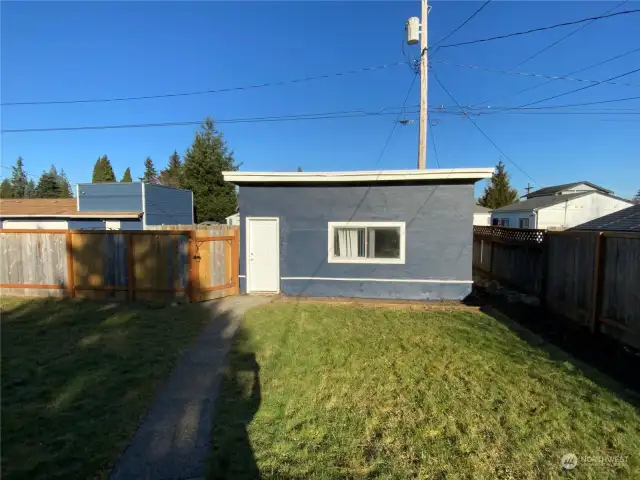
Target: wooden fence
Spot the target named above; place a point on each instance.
(121, 265)
(591, 277)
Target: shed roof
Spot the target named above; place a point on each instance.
(625, 220)
(539, 202)
(442, 174)
(480, 209)
(555, 189)
(52, 208)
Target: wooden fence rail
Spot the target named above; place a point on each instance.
(591, 277)
(121, 265)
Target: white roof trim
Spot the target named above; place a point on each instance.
(363, 176)
(70, 215)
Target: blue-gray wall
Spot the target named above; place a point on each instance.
(439, 234)
(168, 206)
(110, 197)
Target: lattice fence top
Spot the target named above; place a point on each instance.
(512, 234)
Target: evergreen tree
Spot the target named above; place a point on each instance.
(126, 178)
(30, 191)
(498, 193)
(49, 184)
(204, 163)
(18, 179)
(6, 191)
(636, 199)
(65, 185)
(299, 169)
(103, 171)
(150, 172)
(172, 175)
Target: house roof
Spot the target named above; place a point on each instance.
(479, 209)
(52, 208)
(472, 174)
(538, 202)
(555, 189)
(625, 220)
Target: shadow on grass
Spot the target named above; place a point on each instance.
(600, 358)
(238, 401)
(78, 377)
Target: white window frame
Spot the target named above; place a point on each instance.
(522, 220)
(331, 258)
(503, 221)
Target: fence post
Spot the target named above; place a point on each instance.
(598, 277)
(70, 274)
(235, 261)
(191, 282)
(545, 269)
(131, 277)
(491, 251)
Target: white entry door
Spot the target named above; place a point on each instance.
(263, 254)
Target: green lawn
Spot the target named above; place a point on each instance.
(77, 377)
(322, 391)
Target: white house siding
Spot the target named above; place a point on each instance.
(578, 210)
(482, 218)
(583, 187)
(514, 218)
(35, 224)
(233, 219)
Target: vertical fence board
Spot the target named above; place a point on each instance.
(33, 259)
(601, 291)
(119, 265)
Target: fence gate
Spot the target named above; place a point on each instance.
(214, 265)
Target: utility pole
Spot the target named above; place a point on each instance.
(424, 83)
(528, 188)
(418, 28)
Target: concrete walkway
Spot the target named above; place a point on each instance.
(173, 442)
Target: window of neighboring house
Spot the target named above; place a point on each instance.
(504, 222)
(523, 223)
(496, 221)
(366, 242)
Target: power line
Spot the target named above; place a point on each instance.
(561, 39)
(587, 103)
(203, 92)
(547, 107)
(315, 116)
(395, 124)
(570, 73)
(433, 141)
(576, 90)
(537, 75)
(461, 25)
(539, 29)
(435, 75)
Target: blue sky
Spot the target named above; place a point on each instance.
(76, 50)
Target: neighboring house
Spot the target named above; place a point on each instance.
(377, 234)
(481, 215)
(233, 219)
(627, 220)
(101, 206)
(559, 207)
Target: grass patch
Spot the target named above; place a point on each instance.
(323, 391)
(77, 377)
